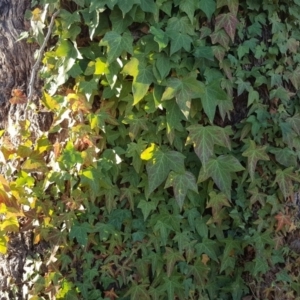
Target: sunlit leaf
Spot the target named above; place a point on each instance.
(183, 90)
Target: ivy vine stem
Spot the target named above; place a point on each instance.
(38, 60)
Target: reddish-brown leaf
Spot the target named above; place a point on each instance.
(228, 22)
(18, 97)
(282, 220)
(111, 294)
(220, 37)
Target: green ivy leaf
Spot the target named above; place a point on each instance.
(80, 232)
(210, 97)
(146, 207)
(232, 249)
(174, 117)
(208, 7)
(217, 202)
(163, 65)
(204, 52)
(172, 285)
(143, 77)
(285, 179)
(189, 7)
(183, 25)
(181, 183)
(116, 44)
(137, 123)
(138, 291)
(126, 5)
(179, 40)
(254, 154)
(161, 164)
(205, 137)
(199, 271)
(160, 37)
(183, 90)
(148, 6)
(261, 265)
(208, 247)
(172, 257)
(294, 121)
(220, 170)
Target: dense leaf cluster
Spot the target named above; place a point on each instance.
(170, 168)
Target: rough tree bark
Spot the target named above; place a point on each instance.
(16, 61)
(16, 58)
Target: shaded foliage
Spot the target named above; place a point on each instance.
(171, 165)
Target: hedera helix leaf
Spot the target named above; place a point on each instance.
(138, 291)
(172, 285)
(161, 164)
(220, 169)
(285, 179)
(160, 37)
(228, 22)
(148, 6)
(233, 5)
(116, 44)
(172, 257)
(148, 153)
(217, 202)
(220, 37)
(179, 40)
(80, 232)
(208, 247)
(189, 7)
(183, 25)
(208, 7)
(210, 98)
(205, 137)
(181, 183)
(146, 207)
(254, 154)
(143, 77)
(174, 117)
(69, 18)
(126, 5)
(163, 65)
(199, 272)
(183, 90)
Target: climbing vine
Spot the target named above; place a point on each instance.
(170, 170)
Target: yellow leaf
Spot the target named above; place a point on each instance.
(50, 102)
(3, 243)
(36, 14)
(3, 208)
(101, 66)
(148, 153)
(10, 224)
(37, 238)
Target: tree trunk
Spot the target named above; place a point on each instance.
(16, 61)
(16, 58)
